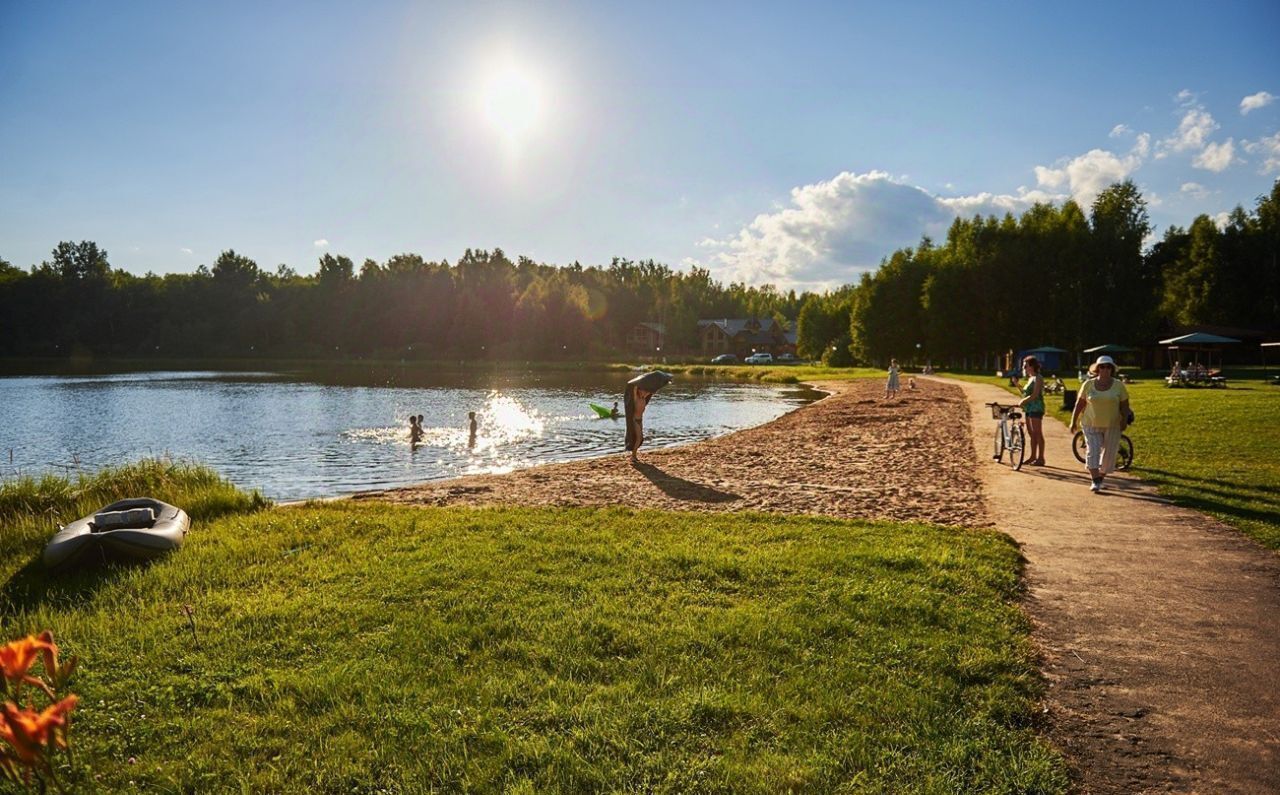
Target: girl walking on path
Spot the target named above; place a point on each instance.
(1104, 404)
(891, 386)
(1032, 404)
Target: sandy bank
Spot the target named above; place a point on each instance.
(852, 454)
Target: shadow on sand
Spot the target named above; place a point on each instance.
(681, 489)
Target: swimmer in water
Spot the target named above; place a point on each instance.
(415, 429)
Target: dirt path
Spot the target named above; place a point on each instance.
(1160, 628)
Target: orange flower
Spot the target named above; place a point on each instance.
(29, 732)
(17, 657)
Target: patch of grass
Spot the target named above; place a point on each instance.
(1214, 450)
(776, 374)
(362, 648)
(32, 508)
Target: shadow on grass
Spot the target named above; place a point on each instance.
(681, 489)
(34, 586)
(1229, 486)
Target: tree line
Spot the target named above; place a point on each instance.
(483, 305)
(1053, 275)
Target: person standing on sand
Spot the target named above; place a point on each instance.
(1032, 404)
(636, 400)
(1104, 404)
(891, 387)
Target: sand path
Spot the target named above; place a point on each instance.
(1160, 628)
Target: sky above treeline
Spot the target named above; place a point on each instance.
(793, 143)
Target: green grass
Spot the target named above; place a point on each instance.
(777, 374)
(360, 648)
(1214, 450)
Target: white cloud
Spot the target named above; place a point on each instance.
(1120, 129)
(1255, 101)
(1269, 148)
(321, 243)
(1142, 146)
(1216, 157)
(1089, 174)
(832, 231)
(1187, 97)
(1194, 189)
(1193, 131)
(1221, 220)
(186, 251)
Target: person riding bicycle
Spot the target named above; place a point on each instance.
(1103, 405)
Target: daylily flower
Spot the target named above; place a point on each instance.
(17, 657)
(29, 732)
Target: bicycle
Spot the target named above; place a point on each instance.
(1010, 438)
(1124, 453)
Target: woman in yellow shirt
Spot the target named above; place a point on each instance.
(1104, 406)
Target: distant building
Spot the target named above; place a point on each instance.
(646, 337)
(745, 336)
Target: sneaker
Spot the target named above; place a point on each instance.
(1096, 486)
(1099, 485)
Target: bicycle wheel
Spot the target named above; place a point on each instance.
(998, 448)
(1124, 454)
(1078, 446)
(1017, 447)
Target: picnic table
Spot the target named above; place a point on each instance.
(1192, 378)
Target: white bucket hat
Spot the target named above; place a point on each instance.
(1093, 368)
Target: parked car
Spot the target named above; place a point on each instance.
(759, 358)
(788, 358)
(725, 358)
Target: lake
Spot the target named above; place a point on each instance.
(320, 434)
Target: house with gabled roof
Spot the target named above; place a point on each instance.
(646, 337)
(743, 336)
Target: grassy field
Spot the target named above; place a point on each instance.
(778, 374)
(350, 648)
(1214, 450)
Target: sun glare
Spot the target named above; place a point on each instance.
(512, 99)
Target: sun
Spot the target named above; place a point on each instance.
(512, 98)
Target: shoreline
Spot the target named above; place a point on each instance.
(850, 454)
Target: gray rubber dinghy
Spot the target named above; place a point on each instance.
(135, 529)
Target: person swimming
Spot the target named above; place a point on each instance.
(615, 414)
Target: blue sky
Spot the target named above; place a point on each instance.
(796, 144)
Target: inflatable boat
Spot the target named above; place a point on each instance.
(133, 529)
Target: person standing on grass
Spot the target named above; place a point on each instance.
(1104, 407)
(891, 386)
(1032, 404)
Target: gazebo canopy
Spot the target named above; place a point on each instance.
(1198, 338)
(1045, 349)
(1110, 348)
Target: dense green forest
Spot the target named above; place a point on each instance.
(1054, 275)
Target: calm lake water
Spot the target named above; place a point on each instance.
(295, 436)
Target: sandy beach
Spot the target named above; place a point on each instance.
(852, 454)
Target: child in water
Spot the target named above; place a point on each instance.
(471, 439)
(415, 429)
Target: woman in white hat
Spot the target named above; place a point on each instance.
(1104, 406)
